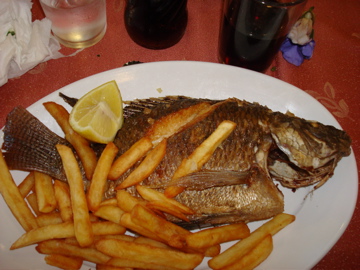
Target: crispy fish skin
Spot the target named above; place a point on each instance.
(251, 199)
(255, 199)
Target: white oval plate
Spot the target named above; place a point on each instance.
(320, 218)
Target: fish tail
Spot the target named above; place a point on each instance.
(29, 145)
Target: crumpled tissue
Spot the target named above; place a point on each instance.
(23, 43)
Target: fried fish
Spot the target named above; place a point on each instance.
(236, 184)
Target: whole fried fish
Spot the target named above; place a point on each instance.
(236, 184)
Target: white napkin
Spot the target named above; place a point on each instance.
(23, 44)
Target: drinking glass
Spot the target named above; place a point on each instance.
(252, 31)
(156, 24)
(76, 23)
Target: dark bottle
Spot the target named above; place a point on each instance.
(156, 24)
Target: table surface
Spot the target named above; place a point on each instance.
(331, 76)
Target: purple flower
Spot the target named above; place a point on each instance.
(299, 44)
(294, 53)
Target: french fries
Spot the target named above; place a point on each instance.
(62, 230)
(45, 194)
(14, 199)
(200, 156)
(212, 236)
(33, 203)
(146, 167)
(82, 224)
(71, 226)
(142, 252)
(129, 158)
(153, 195)
(27, 184)
(255, 256)
(109, 212)
(62, 196)
(63, 262)
(175, 122)
(63, 248)
(110, 267)
(126, 201)
(48, 219)
(243, 247)
(81, 145)
(128, 222)
(98, 182)
(162, 228)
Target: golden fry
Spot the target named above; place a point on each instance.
(127, 222)
(109, 212)
(126, 263)
(212, 251)
(150, 242)
(254, 257)
(63, 262)
(122, 237)
(213, 236)
(62, 196)
(14, 199)
(98, 182)
(62, 248)
(146, 167)
(49, 218)
(45, 194)
(126, 201)
(111, 201)
(242, 247)
(107, 228)
(32, 200)
(200, 156)
(110, 267)
(155, 224)
(82, 146)
(143, 252)
(82, 224)
(129, 158)
(27, 184)
(167, 208)
(154, 195)
(175, 122)
(62, 230)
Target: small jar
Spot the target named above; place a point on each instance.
(156, 24)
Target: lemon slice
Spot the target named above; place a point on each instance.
(98, 115)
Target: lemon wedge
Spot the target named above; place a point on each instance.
(98, 115)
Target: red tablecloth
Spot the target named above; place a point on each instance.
(331, 76)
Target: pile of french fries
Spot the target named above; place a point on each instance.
(70, 225)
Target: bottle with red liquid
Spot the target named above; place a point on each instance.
(156, 24)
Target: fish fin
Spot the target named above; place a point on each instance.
(209, 179)
(69, 100)
(144, 105)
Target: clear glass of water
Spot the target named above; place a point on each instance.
(76, 23)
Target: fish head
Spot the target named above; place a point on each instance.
(306, 151)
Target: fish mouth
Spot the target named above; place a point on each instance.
(292, 176)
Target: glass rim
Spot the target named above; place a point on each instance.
(273, 3)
